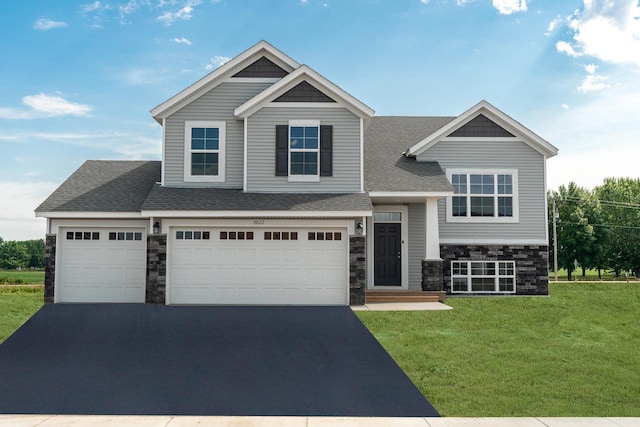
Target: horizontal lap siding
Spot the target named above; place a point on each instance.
(346, 150)
(217, 104)
(496, 155)
(416, 244)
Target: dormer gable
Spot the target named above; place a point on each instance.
(304, 92)
(262, 68)
(483, 127)
(483, 120)
(314, 86)
(261, 59)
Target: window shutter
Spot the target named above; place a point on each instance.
(282, 150)
(326, 150)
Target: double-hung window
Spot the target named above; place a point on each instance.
(304, 150)
(204, 154)
(483, 277)
(483, 196)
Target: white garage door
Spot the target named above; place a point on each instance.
(101, 265)
(258, 266)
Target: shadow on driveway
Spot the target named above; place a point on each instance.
(170, 360)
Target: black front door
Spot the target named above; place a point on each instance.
(387, 259)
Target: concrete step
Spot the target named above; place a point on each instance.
(404, 296)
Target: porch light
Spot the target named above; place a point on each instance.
(156, 227)
(359, 227)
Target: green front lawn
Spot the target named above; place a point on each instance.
(576, 353)
(17, 305)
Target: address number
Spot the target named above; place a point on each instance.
(258, 221)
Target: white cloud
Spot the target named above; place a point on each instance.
(424, 1)
(552, 25)
(86, 8)
(565, 106)
(182, 14)
(507, 7)
(592, 83)
(55, 105)
(216, 61)
(606, 30)
(17, 203)
(590, 68)
(182, 40)
(564, 47)
(44, 24)
(42, 105)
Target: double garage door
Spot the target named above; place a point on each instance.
(207, 265)
(257, 266)
(101, 265)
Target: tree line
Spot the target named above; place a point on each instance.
(21, 254)
(599, 228)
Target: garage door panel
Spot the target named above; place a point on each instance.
(264, 266)
(96, 268)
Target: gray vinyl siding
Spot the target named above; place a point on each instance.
(416, 244)
(496, 155)
(217, 104)
(261, 153)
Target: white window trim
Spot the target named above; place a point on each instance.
(496, 278)
(188, 125)
(483, 219)
(303, 178)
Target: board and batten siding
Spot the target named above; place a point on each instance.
(495, 155)
(416, 244)
(217, 104)
(261, 150)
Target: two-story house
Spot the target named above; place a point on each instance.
(278, 187)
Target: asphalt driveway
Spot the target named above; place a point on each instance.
(167, 360)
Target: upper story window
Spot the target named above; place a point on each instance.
(304, 150)
(204, 154)
(483, 196)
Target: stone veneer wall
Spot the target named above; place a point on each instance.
(156, 268)
(532, 263)
(432, 275)
(357, 269)
(49, 267)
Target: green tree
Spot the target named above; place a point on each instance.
(577, 237)
(13, 255)
(620, 201)
(35, 252)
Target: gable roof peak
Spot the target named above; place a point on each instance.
(258, 50)
(494, 114)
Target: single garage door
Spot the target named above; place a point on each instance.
(101, 265)
(258, 266)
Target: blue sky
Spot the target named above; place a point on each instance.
(78, 78)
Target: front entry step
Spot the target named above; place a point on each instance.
(405, 296)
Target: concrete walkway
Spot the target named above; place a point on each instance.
(401, 306)
(182, 421)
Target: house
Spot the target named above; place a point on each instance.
(278, 187)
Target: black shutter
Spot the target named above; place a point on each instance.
(282, 150)
(326, 150)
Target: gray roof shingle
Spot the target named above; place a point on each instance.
(386, 169)
(104, 186)
(216, 199)
(130, 186)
